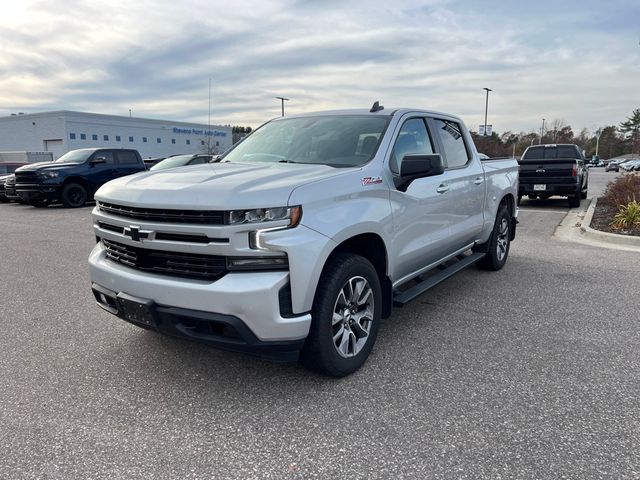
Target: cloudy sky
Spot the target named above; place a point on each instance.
(562, 59)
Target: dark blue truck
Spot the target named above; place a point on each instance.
(75, 177)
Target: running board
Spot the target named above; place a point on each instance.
(402, 298)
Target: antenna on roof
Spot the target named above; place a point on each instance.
(376, 107)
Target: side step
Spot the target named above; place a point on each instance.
(402, 298)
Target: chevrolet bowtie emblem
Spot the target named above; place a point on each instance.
(135, 233)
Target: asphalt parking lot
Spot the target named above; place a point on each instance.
(531, 372)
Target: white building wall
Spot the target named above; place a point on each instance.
(60, 132)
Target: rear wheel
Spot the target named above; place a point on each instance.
(574, 200)
(74, 195)
(345, 316)
(499, 242)
(583, 195)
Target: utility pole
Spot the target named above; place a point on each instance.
(541, 132)
(129, 113)
(486, 109)
(282, 99)
(598, 133)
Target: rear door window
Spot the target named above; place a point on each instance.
(127, 157)
(454, 147)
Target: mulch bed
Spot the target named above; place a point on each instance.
(603, 216)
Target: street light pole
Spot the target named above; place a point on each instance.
(282, 99)
(486, 109)
(598, 133)
(541, 132)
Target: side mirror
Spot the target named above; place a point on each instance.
(416, 166)
(98, 160)
(215, 159)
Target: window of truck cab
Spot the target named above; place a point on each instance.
(453, 146)
(413, 138)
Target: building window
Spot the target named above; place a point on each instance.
(217, 144)
(83, 136)
(173, 141)
(188, 142)
(201, 142)
(131, 139)
(117, 138)
(72, 136)
(106, 138)
(144, 139)
(94, 137)
(159, 140)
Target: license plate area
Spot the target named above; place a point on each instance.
(539, 187)
(136, 310)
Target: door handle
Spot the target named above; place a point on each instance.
(443, 188)
(478, 180)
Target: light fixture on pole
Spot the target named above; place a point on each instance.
(282, 99)
(486, 109)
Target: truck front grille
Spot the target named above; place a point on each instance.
(175, 264)
(208, 217)
(26, 177)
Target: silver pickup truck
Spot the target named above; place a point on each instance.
(305, 235)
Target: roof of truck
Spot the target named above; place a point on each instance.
(363, 111)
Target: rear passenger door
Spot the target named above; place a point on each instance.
(128, 163)
(462, 182)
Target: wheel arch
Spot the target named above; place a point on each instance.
(372, 247)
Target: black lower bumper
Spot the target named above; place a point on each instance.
(550, 189)
(39, 193)
(222, 331)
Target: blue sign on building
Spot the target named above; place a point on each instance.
(199, 131)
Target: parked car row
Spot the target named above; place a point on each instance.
(74, 178)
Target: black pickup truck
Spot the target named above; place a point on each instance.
(548, 170)
(75, 177)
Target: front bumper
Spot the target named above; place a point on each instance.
(38, 192)
(223, 331)
(254, 298)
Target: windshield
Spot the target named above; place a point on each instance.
(171, 162)
(337, 141)
(75, 156)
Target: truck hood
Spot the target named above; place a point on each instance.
(34, 167)
(219, 186)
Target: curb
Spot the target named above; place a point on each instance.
(617, 239)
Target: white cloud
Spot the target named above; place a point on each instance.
(156, 58)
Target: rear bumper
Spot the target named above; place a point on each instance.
(550, 188)
(222, 331)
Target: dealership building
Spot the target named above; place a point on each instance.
(60, 131)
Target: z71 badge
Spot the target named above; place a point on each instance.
(371, 181)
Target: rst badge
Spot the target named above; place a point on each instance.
(371, 181)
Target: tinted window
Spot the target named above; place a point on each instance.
(454, 148)
(72, 136)
(413, 138)
(127, 157)
(144, 139)
(94, 137)
(158, 140)
(173, 141)
(548, 153)
(131, 139)
(105, 138)
(83, 136)
(106, 154)
(188, 142)
(117, 138)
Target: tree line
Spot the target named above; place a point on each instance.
(614, 140)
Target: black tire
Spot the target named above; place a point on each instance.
(583, 195)
(320, 351)
(4, 200)
(39, 203)
(574, 200)
(74, 195)
(493, 260)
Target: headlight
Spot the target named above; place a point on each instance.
(259, 215)
(48, 173)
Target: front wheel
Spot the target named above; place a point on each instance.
(345, 316)
(74, 195)
(499, 242)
